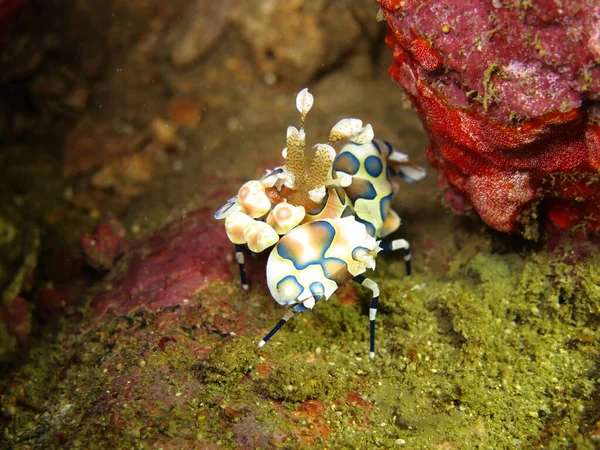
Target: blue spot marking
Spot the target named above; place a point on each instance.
(389, 148)
(370, 227)
(347, 212)
(220, 214)
(272, 172)
(361, 189)
(405, 177)
(358, 252)
(332, 266)
(317, 290)
(376, 145)
(321, 206)
(384, 206)
(341, 195)
(290, 280)
(346, 162)
(294, 253)
(374, 166)
(322, 234)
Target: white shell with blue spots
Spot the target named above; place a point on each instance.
(317, 257)
(371, 190)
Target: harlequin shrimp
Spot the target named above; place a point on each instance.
(324, 215)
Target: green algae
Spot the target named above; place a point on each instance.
(497, 352)
(476, 350)
(480, 359)
(490, 93)
(298, 380)
(491, 369)
(19, 248)
(229, 362)
(8, 344)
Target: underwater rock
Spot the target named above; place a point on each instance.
(185, 112)
(52, 299)
(128, 175)
(172, 373)
(508, 94)
(102, 247)
(199, 31)
(90, 144)
(296, 40)
(19, 251)
(169, 267)
(17, 319)
(125, 160)
(59, 93)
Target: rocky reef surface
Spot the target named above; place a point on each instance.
(508, 93)
(123, 323)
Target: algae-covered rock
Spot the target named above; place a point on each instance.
(500, 351)
(19, 246)
(229, 362)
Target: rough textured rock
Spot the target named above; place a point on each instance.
(168, 268)
(90, 144)
(19, 252)
(508, 93)
(483, 347)
(295, 40)
(102, 247)
(199, 31)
